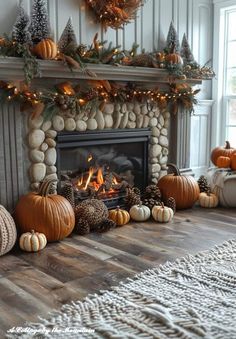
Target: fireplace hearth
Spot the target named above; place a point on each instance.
(103, 165)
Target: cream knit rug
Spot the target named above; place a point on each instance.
(194, 297)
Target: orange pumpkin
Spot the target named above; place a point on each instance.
(226, 151)
(174, 58)
(223, 162)
(119, 216)
(233, 161)
(50, 214)
(184, 189)
(46, 49)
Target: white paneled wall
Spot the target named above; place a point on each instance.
(150, 28)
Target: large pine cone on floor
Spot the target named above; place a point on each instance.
(91, 212)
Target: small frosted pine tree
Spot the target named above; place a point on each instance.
(68, 37)
(20, 31)
(172, 39)
(40, 28)
(186, 52)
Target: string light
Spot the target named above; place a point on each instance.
(176, 94)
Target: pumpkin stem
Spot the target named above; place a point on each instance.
(174, 169)
(45, 187)
(162, 205)
(227, 145)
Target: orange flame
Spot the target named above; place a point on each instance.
(91, 170)
(100, 179)
(90, 157)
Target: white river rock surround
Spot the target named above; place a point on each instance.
(42, 135)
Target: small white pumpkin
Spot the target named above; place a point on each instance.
(32, 242)
(208, 200)
(140, 212)
(162, 213)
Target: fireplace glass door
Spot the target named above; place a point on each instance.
(103, 164)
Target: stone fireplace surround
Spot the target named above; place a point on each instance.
(42, 135)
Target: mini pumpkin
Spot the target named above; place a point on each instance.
(46, 49)
(32, 241)
(233, 161)
(184, 189)
(140, 212)
(223, 162)
(162, 213)
(50, 214)
(119, 216)
(226, 151)
(173, 57)
(208, 200)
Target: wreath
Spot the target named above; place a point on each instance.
(114, 13)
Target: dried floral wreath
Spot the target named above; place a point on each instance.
(114, 13)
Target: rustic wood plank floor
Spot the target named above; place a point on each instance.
(34, 284)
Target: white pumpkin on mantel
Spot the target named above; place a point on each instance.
(223, 184)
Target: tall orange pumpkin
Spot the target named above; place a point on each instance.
(184, 189)
(46, 49)
(225, 151)
(46, 213)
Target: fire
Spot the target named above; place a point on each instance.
(95, 178)
(90, 157)
(91, 170)
(100, 179)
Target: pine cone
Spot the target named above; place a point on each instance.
(133, 197)
(68, 192)
(91, 211)
(105, 226)
(82, 227)
(203, 184)
(91, 94)
(171, 203)
(150, 202)
(152, 191)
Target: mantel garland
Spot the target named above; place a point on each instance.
(73, 99)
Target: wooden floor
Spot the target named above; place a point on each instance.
(33, 284)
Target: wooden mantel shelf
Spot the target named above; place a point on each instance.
(11, 69)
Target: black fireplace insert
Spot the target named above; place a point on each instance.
(103, 163)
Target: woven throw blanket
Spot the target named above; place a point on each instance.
(194, 297)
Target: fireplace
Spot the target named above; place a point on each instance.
(103, 164)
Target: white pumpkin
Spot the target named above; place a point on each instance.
(162, 213)
(208, 200)
(32, 242)
(140, 212)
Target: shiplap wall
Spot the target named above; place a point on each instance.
(149, 30)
